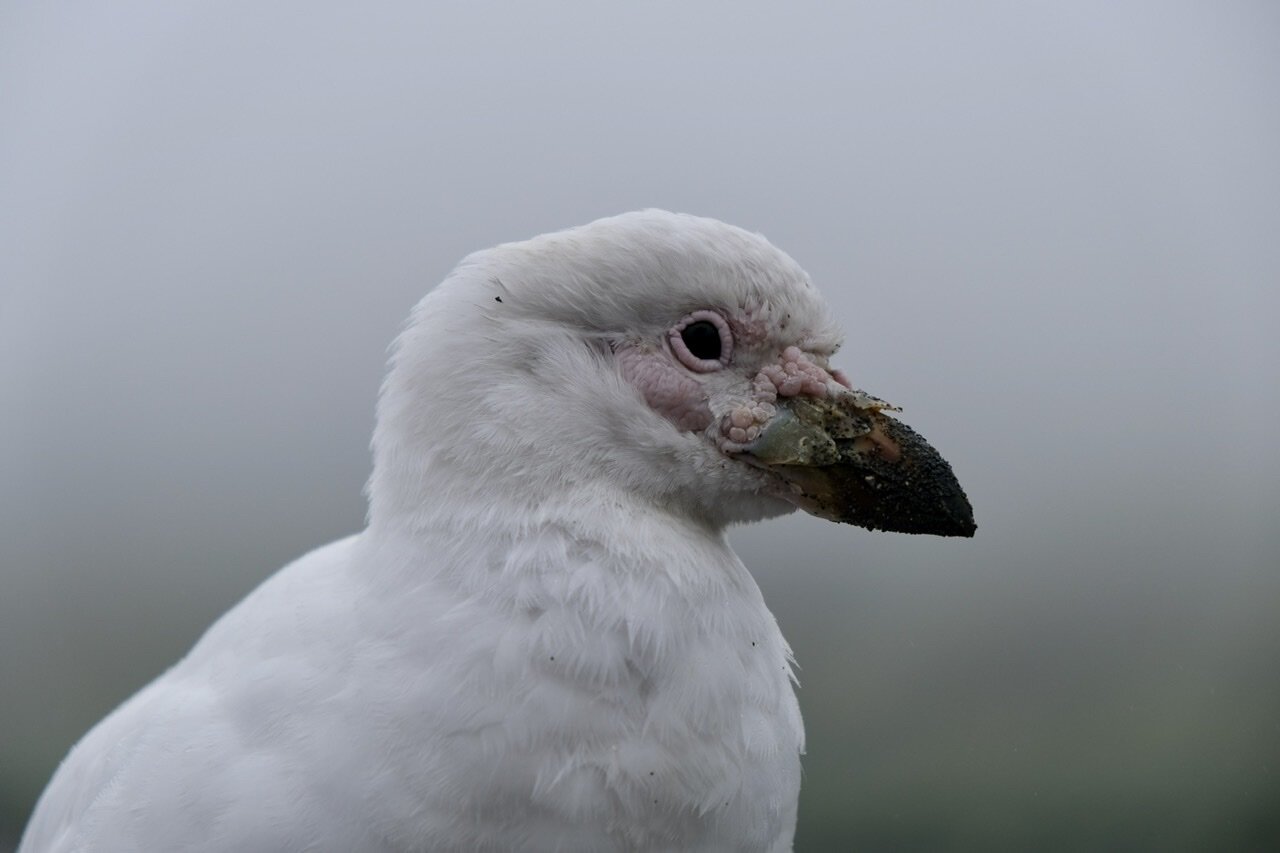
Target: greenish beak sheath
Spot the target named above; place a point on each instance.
(842, 458)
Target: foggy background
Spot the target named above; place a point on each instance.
(1052, 232)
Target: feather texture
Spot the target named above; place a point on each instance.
(542, 640)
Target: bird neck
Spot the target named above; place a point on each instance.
(604, 554)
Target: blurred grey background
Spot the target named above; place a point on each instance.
(1052, 232)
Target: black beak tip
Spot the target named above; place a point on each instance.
(959, 517)
(931, 502)
(960, 528)
(947, 511)
(952, 517)
(929, 498)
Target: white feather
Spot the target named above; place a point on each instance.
(542, 640)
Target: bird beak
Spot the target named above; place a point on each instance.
(842, 458)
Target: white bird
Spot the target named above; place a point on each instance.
(542, 640)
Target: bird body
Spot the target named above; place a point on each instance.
(542, 640)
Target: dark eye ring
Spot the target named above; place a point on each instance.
(702, 341)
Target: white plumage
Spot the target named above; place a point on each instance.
(542, 641)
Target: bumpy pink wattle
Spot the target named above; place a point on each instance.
(670, 391)
(794, 374)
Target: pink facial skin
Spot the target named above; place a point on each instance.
(667, 387)
(671, 388)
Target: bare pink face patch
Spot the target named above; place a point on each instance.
(666, 387)
(703, 342)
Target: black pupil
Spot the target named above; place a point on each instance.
(703, 339)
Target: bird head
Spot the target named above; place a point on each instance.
(650, 356)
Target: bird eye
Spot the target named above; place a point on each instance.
(702, 341)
